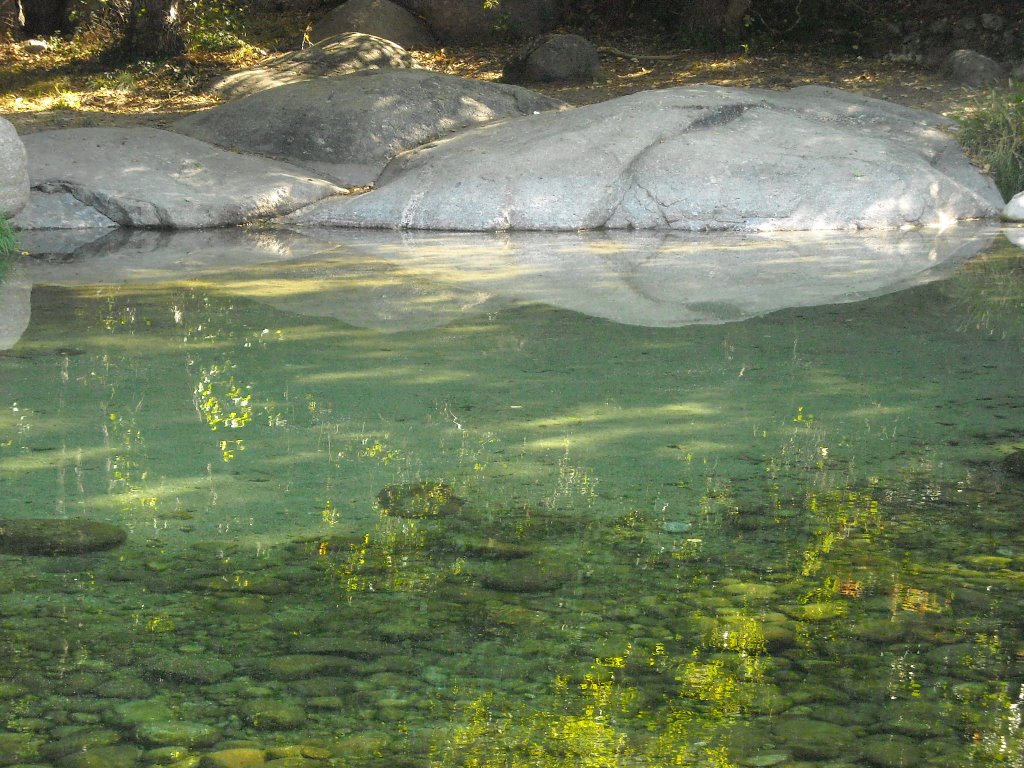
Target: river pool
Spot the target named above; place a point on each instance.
(490, 501)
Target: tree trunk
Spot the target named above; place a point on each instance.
(10, 20)
(46, 17)
(152, 30)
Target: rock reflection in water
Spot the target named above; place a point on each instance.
(404, 281)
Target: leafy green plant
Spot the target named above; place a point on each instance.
(215, 26)
(992, 133)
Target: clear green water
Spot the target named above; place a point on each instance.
(524, 536)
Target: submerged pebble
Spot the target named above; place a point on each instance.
(57, 537)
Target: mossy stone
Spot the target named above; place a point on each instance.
(887, 750)
(810, 739)
(174, 732)
(82, 740)
(274, 714)
(141, 711)
(52, 538)
(492, 549)
(117, 756)
(298, 666)
(241, 757)
(188, 668)
(815, 611)
(526, 576)
(17, 747)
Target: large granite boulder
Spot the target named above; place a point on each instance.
(347, 129)
(331, 57)
(375, 17)
(554, 59)
(13, 171)
(692, 158)
(469, 22)
(146, 177)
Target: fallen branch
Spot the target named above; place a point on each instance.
(640, 56)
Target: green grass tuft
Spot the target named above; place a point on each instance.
(8, 247)
(992, 134)
(8, 242)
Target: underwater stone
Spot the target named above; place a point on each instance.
(814, 611)
(174, 732)
(526, 576)
(339, 645)
(141, 711)
(765, 760)
(119, 756)
(298, 666)
(889, 751)
(17, 746)
(241, 757)
(188, 668)
(273, 714)
(72, 536)
(749, 590)
(1013, 464)
(419, 500)
(255, 584)
(79, 741)
(811, 739)
(492, 549)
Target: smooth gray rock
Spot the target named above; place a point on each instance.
(973, 69)
(468, 22)
(375, 17)
(1014, 210)
(59, 210)
(692, 158)
(13, 171)
(554, 59)
(347, 129)
(331, 57)
(146, 177)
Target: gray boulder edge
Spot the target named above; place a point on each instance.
(348, 128)
(334, 56)
(146, 177)
(1014, 210)
(375, 17)
(59, 210)
(14, 183)
(692, 158)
